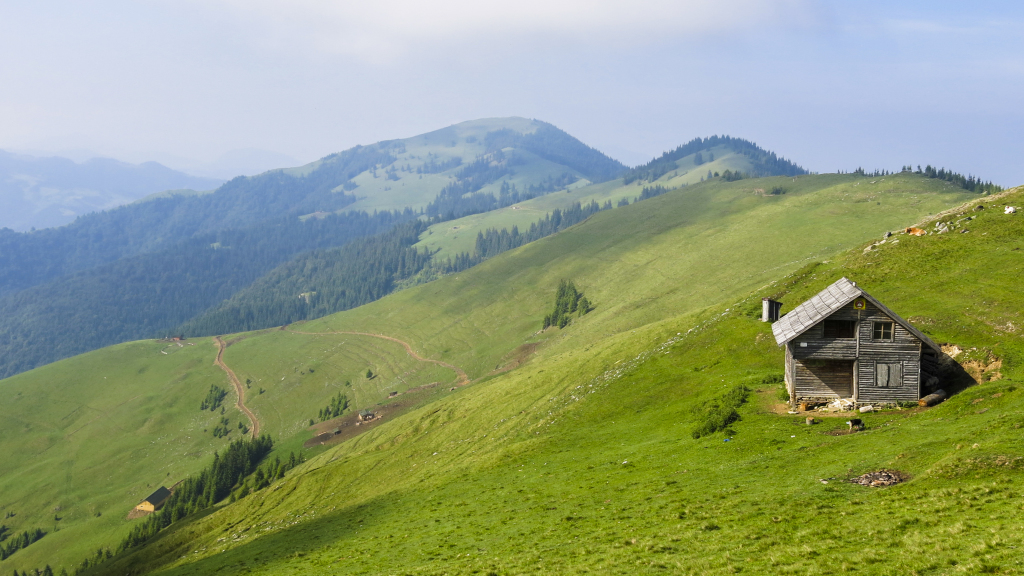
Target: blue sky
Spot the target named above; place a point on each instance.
(831, 85)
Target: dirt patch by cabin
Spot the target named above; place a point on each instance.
(136, 513)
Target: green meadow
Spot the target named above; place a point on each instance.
(582, 460)
(85, 439)
(459, 235)
(305, 371)
(579, 459)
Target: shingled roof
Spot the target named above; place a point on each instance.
(827, 302)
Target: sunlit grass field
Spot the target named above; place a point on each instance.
(654, 270)
(582, 461)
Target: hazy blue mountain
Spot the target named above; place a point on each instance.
(40, 192)
(240, 162)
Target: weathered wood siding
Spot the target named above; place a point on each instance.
(821, 379)
(789, 371)
(897, 361)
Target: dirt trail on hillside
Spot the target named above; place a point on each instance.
(254, 424)
(463, 378)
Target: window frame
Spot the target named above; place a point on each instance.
(878, 328)
(852, 324)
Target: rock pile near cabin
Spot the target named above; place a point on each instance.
(880, 478)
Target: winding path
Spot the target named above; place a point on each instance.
(239, 389)
(463, 378)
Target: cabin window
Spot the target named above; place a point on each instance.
(840, 328)
(888, 375)
(882, 331)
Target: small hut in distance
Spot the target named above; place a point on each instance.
(154, 501)
(845, 344)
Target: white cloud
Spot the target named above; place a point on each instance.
(391, 28)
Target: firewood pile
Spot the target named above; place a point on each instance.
(880, 478)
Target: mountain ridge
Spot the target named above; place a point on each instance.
(44, 192)
(69, 272)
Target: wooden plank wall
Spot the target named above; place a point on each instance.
(824, 379)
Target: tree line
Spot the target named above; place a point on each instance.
(44, 572)
(233, 475)
(971, 183)
(451, 202)
(142, 270)
(15, 543)
(318, 283)
(265, 474)
(433, 166)
(214, 483)
(492, 241)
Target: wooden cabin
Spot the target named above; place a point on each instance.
(845, 344)
(154, 501)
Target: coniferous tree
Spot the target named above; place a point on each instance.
(568, 302)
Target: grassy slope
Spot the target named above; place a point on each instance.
(303, 369)
(685, 250)
(96, 433)
(581, 460)
(452, 237)
(477, 317)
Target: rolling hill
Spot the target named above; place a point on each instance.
(582, 459)
(324, 277)
(145, 269)
(574, 442)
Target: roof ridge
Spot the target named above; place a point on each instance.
(827, 302)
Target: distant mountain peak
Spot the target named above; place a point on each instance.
(763, 162)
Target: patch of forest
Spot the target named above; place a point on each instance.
(569, 303)
(149, 294)
(319, 283)
(17, 542)
(234, 473)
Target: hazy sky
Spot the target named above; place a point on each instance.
(831, 85)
